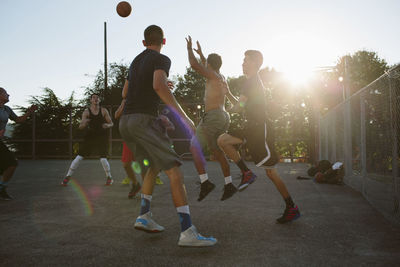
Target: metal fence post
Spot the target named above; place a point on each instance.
(110, 137)
(33, 135)
(395, 154)
(394, 127)
(326, 152)
(347, 149)
(70, 133)
(363, 143)
(320, 138)
(334, 135)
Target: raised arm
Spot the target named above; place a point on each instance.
(200, 53)
(160, 85)
(199, 68)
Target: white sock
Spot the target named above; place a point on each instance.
(106, 166)
(183, 209)
(228, 179)
(148, 197)
(74, 165)
(203, 177)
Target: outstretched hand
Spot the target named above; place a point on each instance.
(198, 50)
(189, 42)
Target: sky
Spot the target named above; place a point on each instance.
(60, 43)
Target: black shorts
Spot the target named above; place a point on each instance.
(7, 158)
(260, 142)
(95, 146)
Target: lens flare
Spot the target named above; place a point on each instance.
(146, 162)
(136, 167)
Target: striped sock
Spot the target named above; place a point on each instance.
(145, 204)
(184, 217)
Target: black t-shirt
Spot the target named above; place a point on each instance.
(255, 107)
(141, 96)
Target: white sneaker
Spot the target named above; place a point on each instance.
(191, 238)
(146, 223)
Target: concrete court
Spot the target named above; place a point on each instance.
(49, 225)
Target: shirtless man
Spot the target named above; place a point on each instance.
(96, 120)
(214, 122)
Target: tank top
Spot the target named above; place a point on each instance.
(95, 127)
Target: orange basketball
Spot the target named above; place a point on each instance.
(124, 9)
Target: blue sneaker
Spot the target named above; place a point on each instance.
(146, 223)
(191, 238)
(247, 178)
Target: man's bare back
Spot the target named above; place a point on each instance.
(214, 97)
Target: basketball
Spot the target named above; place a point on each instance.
(124, 9)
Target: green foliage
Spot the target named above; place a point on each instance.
(360, 69)
(189, 92)
(117, 74)
(52, 121)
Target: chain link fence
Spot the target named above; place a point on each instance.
(363, 132)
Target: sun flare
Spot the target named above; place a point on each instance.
(296, 55)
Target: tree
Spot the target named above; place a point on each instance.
(52, 120)
(360, 69)
(116, 76)
(189, 93)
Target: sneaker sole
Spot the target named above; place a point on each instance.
(200, 199)
(222, 198)
(141, 228)
(197, 244)
(244, 186)
(294, 218)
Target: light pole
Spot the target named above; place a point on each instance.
(105, 57)
(198, 112)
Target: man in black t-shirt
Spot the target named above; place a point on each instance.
(145, 136)
(256, 134)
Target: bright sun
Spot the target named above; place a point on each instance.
(297, 55)
(298, 76)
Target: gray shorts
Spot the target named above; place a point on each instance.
(148, 141)
(214, 123)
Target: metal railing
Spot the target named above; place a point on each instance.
(64, 146)
(363, 132)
